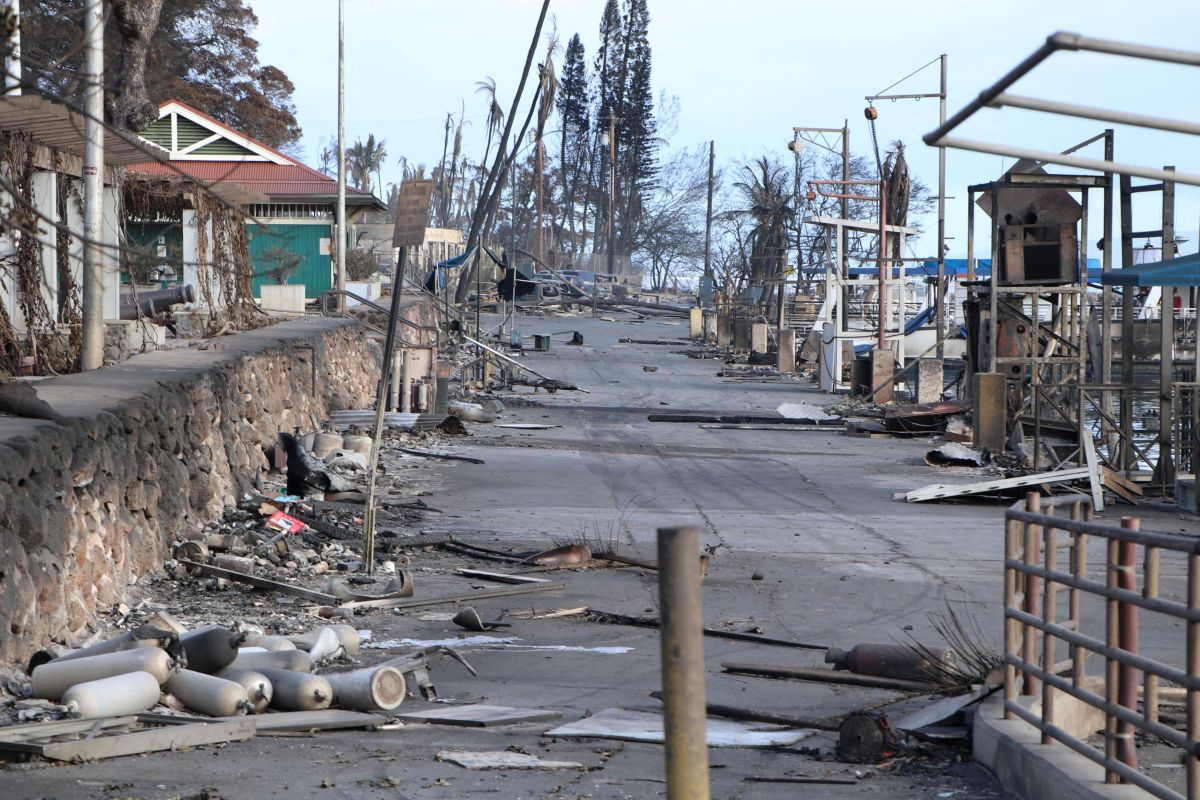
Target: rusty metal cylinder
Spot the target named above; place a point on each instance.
(210, 649)
(131, 693)
(298, 691)
(50, 680)
(155, 301)
(893, 661)
(294, 660)
(145, 636)
(682, 640)
(208, 694)
(258, 686)
(1129, 641)
(379, 688)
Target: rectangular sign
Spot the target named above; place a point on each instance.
(412, 213)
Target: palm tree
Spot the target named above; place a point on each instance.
(365, 159)
(495, 114)
(767, 197)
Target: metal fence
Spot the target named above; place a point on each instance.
(1047, 652)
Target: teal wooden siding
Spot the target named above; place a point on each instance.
(147, 240)
(269, 243)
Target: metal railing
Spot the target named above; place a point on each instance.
(1036, 533)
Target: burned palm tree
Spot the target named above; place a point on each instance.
(897, 185)
(768, 206)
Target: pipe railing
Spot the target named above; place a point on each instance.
(1046, 544)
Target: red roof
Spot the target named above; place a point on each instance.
(274, 180)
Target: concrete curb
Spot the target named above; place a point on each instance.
(1012, 750)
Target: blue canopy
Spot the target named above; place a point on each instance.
(1181, 271)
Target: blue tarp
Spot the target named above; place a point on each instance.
(457, 261)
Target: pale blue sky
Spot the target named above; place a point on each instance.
(747, 72)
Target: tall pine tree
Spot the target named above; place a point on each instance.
(573, 110)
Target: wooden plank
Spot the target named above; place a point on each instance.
(477, 715)
(281, 721)
(151, 740)
(262, 583)
(466, 597)
(938, 491)
(827, 676)
(1119, 488)
(1095, 477)
(1113, 477)
(46, 730)
(498, 577)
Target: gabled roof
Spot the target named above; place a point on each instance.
(213, 153)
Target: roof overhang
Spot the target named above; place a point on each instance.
(1182, 271)
(53, 125)
(360, 201)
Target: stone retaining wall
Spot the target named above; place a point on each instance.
(152, 448)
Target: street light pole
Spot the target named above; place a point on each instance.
(340, 243)
(612, 180)
(940, 294)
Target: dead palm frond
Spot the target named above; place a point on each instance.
(975, 658)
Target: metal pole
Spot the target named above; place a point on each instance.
(340, 244)
(1125, 199)
(1164, 471)
(1127, 640)
(92, 356)
(1106, 338)
(612, 188)
(883, 266)
(940, 294)
(381, 397)
(685, 717)
(12, 64)
(712, 157)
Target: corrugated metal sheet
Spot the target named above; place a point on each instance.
(315, 271)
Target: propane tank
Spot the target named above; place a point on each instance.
(379, 688)
(297, 691)
(893, 661)
(208, 694)
(270, 642)
(347, 635)
(131, 693)
(258, 686)
(210, 649)
(52, 679)
(145, 636)
(293, 660)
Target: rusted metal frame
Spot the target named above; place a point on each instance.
(1049, 613)
(1140, 662)
(1126, 716)
(1078, 573)
(1112, 675)
(1128, 639)
(1167, 541)
(1164, 471)
(994, 281)
(1013, 629)
(1156, 605)
(1150, 584)
(1030, 599)
(1193, 668)
(1035, 377)
(1087, 751)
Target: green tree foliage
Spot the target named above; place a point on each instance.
(573, 101)
(202, 52)
(364, 160)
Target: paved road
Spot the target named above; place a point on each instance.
(810, 512)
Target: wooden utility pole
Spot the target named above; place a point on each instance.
(712, 157)
(540, 189)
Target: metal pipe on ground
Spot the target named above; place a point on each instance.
(147, 304)
(685, 718)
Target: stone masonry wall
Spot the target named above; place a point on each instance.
(152, 448)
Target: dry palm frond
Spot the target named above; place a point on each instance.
(974, 656)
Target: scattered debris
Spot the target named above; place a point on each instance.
(953, 454)
(469, 619)
(502, 759)
(478, 716)
(942, 491)
(652, 622)
(827, 676)
(645, 726)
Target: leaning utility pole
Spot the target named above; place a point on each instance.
(712, 157)
(340, 242)
(92, 356)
